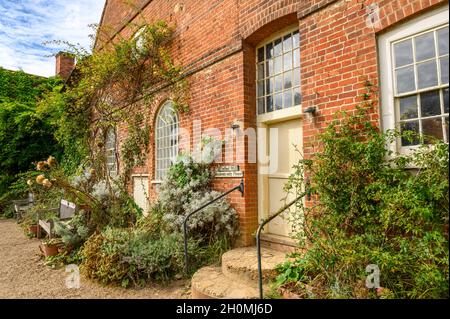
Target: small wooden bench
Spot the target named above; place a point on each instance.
(22, 205)
(65, 211)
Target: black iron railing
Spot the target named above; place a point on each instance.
(240, 188)
(260, 229)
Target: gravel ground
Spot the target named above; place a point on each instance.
(23, 275)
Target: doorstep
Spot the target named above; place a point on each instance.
(279, 243)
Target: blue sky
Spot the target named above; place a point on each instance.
(26, 24)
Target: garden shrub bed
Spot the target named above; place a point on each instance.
(372, 208)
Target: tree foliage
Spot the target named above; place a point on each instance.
(25, 135)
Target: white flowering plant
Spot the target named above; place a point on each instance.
(186, 187)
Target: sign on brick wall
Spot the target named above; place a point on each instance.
(229, 171)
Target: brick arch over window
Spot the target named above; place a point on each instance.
(268, 20)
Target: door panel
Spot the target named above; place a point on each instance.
(289, 136)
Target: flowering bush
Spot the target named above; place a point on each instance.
(186, 187)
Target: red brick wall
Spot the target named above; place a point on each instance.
(338, 53)
(215, 42)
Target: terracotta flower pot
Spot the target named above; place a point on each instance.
(33, 229)
(49, 250)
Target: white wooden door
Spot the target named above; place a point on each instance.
(283, 138)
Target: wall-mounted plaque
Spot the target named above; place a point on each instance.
(229, 171)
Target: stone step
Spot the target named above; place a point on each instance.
(241, 265)
(210, 283)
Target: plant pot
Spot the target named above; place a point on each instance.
(49, 250)
(33, 229)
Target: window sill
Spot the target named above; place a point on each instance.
(281, 115)
(156, 182)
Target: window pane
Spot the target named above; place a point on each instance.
(260, 88)
(287, 80)
(261, 54)
(278, 83)
(287, 43)
(427, 74)
(425, 46)
(296, 58)
(443, 41)
(296, 77)
(278, 65)
(278, 48)
(278, 101)
(411, 130)
(269, 68)
(287, 61)
(444, 70)
(296, 39)
(261, 71)
(405, 79)
(408, 107)
(297, 96)
(445, 93)
(403, 53)
(261, 105)
(269, 104)
(287, 97)
(432, 128)
(269, 51)
(430, 103)
(269, 86)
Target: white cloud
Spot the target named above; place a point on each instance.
(26, 24)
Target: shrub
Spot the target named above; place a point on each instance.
(74, 232)
(371, 210)
(126, 256)
(186, 187)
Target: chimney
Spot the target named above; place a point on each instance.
(65, 63)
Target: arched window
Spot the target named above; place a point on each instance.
(111, 151)
(166, 139)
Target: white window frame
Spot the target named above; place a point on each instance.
(423, 23)
(283, 113)
(111, 150)
(166, 152)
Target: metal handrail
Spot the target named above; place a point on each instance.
(258, 236)
(240, 188)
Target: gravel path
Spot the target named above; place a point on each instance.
(23, 275)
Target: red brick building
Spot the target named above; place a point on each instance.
(261, 63)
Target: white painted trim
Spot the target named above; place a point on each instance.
(280, 115)
(422, 23)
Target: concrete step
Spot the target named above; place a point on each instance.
(241, 265)
(210, 283)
